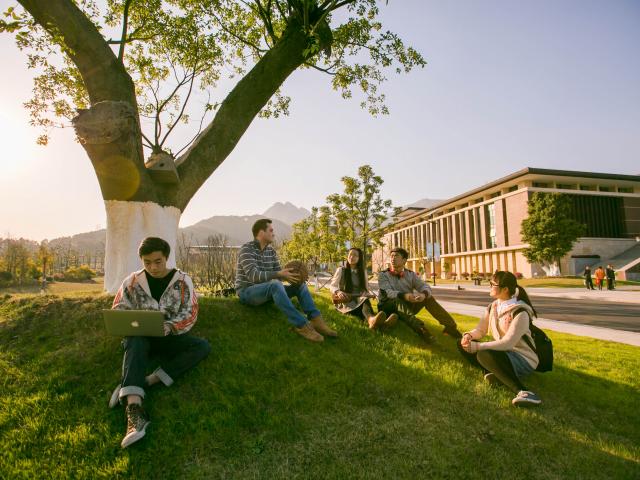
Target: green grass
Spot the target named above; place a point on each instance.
(268, 404)
(95, 286)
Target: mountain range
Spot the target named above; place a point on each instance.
(236, 229)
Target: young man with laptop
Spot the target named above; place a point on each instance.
(170, 292)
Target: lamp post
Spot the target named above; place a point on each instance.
(432, 257)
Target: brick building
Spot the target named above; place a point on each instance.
(479, 230)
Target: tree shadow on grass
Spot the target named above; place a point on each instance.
(268, 404)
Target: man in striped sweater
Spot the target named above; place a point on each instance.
(170, 291)
(259, 280)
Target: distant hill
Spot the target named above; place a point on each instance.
(424, 203)
(286, 212)
(237, 229)
(82, 242)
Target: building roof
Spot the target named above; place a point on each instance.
(520, 173)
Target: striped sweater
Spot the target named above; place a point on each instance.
(255, 265)
(178, 302)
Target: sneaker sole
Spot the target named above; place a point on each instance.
(133, 437)
(492, 380)
(525, 403)
(114, 401)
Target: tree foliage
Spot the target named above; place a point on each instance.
(549, 228)
(314, 239)
(173, 49)
(360, 210)
(353, 217)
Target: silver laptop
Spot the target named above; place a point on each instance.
(134, 323)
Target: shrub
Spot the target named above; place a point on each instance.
(465, 275)
(58, 277)
(6, 276)
(78, 274)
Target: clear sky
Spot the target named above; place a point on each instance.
(509, 84)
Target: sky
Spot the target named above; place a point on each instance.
(508, 85)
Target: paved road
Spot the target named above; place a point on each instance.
(619, 316)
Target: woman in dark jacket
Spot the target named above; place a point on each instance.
(350, 290)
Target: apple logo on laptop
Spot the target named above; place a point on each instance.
(135, 324)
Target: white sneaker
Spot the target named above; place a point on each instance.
(114, 401)
(526, 398)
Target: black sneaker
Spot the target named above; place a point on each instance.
(137, 422)
(425, 335)
(452, 332)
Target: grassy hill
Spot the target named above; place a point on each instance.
(268, 404)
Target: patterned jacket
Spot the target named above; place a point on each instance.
(178, 302)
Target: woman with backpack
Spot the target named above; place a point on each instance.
(350, 290)
(510, 357)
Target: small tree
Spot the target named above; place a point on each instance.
(45, 259)
(359, 210)
(550, 230)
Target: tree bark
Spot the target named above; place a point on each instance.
(127, 224)
(111, 135)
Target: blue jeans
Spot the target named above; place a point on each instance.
(281, 295)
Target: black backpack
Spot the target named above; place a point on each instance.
(543, 345)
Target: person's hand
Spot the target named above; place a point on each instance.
(167, 329)
(419, 297)
(412, 297)
(341, 296)
(289, 275)
(472, 347)
(466, 340)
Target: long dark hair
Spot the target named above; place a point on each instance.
(346, 274)
(508, 280)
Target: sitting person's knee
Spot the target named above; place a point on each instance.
(275, 285)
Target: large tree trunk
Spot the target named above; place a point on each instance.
(127, 224)
(137, 204)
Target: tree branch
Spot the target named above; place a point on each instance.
(103, 75)
(238, 110)
(123, 37)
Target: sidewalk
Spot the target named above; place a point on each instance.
(619, 295)
(601, 333)
(609, 334)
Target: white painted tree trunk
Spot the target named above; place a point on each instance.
(552, 269)
(127, 224)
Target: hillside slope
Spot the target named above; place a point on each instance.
(268, 404)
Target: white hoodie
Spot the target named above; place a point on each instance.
(507, 331)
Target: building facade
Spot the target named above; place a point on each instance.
(480, 230)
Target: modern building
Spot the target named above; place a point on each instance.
(480, 230)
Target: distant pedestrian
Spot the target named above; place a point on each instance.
(599, 273)
(611, 277)
(588, 281)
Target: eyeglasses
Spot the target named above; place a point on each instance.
(494, 284)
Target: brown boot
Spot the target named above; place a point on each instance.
(323, 328)
(308, 332)
(391, 320)
(376, 320)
